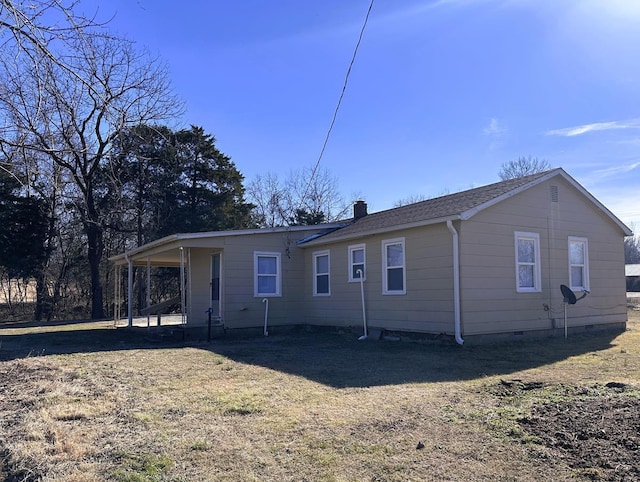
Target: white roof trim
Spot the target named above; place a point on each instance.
(465, 215)
(556, 172)
(217, 234)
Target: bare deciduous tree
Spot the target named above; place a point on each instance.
(67, 88)
(523, 166)
(303, 197)
(268, 195)
(418, 198)
(632, 248)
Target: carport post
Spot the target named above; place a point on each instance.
(149, 290)
(129, 291)
(182, 284)
(117, 295)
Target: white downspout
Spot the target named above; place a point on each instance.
(364, 313)
(266, 315)
(456, 283)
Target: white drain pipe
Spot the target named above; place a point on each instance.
(456, 283)
(266, 315)
(364, 313)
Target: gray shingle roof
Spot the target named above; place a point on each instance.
(433, 210)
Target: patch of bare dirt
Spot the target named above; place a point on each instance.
(596, 432)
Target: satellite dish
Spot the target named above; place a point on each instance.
(568, 294)
(569, 299)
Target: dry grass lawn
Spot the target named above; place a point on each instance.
(86, 402)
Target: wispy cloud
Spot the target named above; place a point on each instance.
(496, 133)
(616, 170)
(617, 188)
(623, 201)
(494, 129)
(621, 174)
(596, 126)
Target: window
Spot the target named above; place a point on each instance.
(578, 263)
(267, 278)
(393, 275)
(321, 273)
(527, 262)
(356, 262)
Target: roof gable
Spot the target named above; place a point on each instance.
(462, 205)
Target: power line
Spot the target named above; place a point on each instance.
(335, 112)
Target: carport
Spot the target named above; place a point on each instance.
(167, 252)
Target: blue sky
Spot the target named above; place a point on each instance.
(441, 94)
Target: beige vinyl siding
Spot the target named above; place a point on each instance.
(427, 305)
(490, 302)
(240, 308)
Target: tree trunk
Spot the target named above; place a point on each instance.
(95, 246)
(44, 301)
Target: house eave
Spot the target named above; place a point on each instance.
(139, 254)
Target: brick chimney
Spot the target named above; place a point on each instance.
(359, 210)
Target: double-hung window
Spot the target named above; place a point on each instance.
(357, 262)
(393, 266)
(267, 274)
(578, 263)
(527, 262)
(321, 273)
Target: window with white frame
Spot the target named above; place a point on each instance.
(527, 262)
(267, 274)
(357, 262)
(321, 273)
(393, 265)
(578, 263)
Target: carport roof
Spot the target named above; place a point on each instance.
(166, 251)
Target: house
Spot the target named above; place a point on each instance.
(484, 262)
(632, 275)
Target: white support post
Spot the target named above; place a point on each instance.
(117, 295)
(189, 297)
(148, 290)
(182, 285)
(129, 293)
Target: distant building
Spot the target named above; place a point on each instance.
(632, 275)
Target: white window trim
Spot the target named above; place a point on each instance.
(537, 277)
(351, 249)
(314, 257)
(278, 275)
(585, 272)
(385, 288)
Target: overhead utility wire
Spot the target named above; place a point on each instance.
(335, 112)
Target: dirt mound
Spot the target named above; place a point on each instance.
(597, 433)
